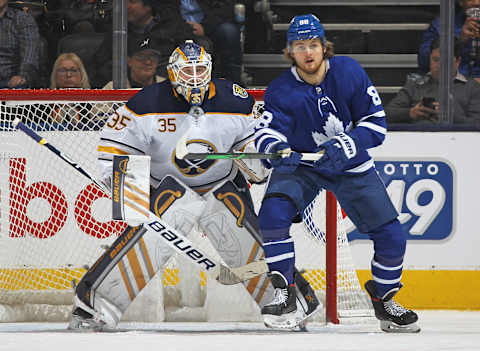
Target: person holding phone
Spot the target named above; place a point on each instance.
(417, 101)
(466, 28)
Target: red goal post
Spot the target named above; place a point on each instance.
(334, 279)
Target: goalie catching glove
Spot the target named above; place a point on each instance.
(286, 164)
(338, 152)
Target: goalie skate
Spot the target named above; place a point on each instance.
(393, 317)
(85, 318)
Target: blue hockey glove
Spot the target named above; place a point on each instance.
(285, 165)
(338, 151)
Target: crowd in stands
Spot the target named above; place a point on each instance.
(42, 47)
(467, 30)
(417, 101)
(38, 32)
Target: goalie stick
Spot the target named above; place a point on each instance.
(182, 153)
(176, 240)
(196, 113)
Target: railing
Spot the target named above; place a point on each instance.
(364, 27)
(366, 60)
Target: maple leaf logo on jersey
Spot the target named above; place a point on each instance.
(333, 126)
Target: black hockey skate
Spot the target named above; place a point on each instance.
(281, 312)
(307, 301)
(394, 318)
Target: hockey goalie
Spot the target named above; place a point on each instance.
(210, 194)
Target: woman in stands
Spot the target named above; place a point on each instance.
(69, 73)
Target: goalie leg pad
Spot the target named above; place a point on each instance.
(104, 291)
(119, 275)
(177, 204)
(231, 226)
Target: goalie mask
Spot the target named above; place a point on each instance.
(190, 72)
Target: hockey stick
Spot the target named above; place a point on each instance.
(173, 238)
(182, 153)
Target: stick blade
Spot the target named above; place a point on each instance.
(231, 276)
(15, 122)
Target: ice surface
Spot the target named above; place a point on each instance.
(441, 331)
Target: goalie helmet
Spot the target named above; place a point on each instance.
(305, 27)
(190, 71)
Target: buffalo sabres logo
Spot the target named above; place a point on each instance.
(193, 168)
(239, 91)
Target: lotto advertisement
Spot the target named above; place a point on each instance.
(432, 179)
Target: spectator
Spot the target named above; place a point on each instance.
(81, 15)
(166, 30)
(215, 19)
(37, 9)
(69, 73)
(142, 64)
(467, 29)
(19, 48)
(417, 101)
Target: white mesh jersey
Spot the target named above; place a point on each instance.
(153, 120)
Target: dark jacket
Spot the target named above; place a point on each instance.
(467, 67)
(466, 95)
(215, 11)
(19, 46)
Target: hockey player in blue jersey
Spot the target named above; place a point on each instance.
(326, 102)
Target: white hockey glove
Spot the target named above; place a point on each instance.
(252, 169)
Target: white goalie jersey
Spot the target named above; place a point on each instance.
(152, 122)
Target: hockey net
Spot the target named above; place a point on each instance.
(54, 223)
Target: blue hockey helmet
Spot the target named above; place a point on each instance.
(305, 27)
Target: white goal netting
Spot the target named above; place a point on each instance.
(54, 223)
